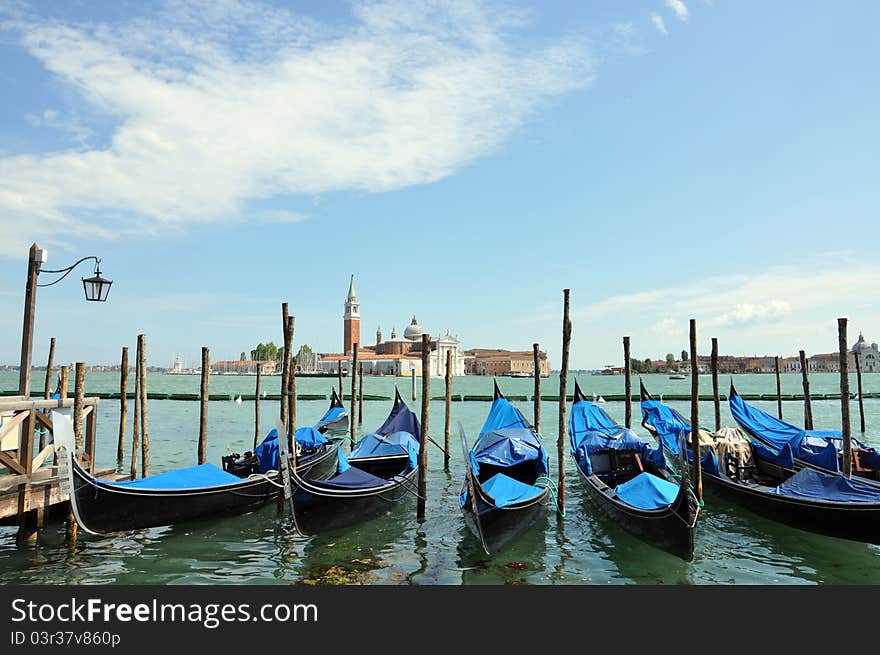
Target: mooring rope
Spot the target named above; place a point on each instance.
(550, 485)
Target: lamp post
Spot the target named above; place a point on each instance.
(96, 289)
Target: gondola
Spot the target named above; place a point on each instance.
(506, 484)
(196, 492)
(629, 481)
(335, 419)
(810, 499)
(792, 448)
(380, 471)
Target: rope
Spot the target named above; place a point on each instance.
(431, 439)
(266, 478)
(550, 485)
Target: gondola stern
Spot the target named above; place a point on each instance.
(644, 394)
(578, 392)
(496, 392)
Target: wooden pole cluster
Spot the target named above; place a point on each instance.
(354, 397)
(284, 316)
(844, 398)
(123, 407)
(716, 399)
(47, 389)
(808, 404)
(448, 404)
(361, 394)
(145, 433)
(627, 382)
(423, 444)
(778, 387)
(856, 357)
(203, 406)
(563, 392)
(257, 405)
(536, 398)
(695, 411)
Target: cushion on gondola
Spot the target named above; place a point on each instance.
(351, 478)
(206, 475)
(646, 491)
(815, 485)
(507, 491)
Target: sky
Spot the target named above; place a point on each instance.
(465, 160)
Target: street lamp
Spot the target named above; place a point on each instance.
(96, 289)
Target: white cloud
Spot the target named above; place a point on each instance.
(745, 313)
(679, 8)
(659, 23)
(219, 103)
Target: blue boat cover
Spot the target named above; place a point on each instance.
(351, 478)
(509, 447)
(194, 477)
(507, 491)
(667, 422)
(646, 491)
(401, 419)
(587, 415)
(812, 446)
(586, 443)
(816, 485)
(333, 414)
(503, 415)
(397, 443)
(267, 453)
(342, 464)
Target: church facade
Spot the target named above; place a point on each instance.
(396, 355)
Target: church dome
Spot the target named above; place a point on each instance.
(860, 344)
(413, 331)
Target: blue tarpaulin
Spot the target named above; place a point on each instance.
(510, 447)
(587, 416)
(816, 485)
(812, 446)
(503, 415)
(506, 491)
(377, 445)
(194, 477)
(587, 443)
(646, 491)
(667, 422)
(333, 414)
(351, 478)
(401, 419)
(267, 452)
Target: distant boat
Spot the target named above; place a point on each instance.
(678, 376)
(238, 400)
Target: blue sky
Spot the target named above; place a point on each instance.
(466, 160)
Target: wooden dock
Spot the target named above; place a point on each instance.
(29, 480)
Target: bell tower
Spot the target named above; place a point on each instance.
(351, 320)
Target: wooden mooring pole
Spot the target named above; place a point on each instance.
(286, 350)
(341, 388)
(361, 394)
(412, 375)
(203, 406)
(858, 364)
(808, 404)
(627, 383)
(423, 442)
(354, 406)
(716, 399)
(123, 407)
(145, 432)
(78, 396)
(257, 405)
(695, 412)
(47, 388)
(448, 404)
(563, 392)
(778, 387)
(844, 398)
(136, 417)
(291, 388)
(536, 398)
(285, 383)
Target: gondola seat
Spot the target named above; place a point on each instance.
(505, 490)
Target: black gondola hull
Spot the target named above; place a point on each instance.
(318, 510)
(671, 529)
(495, 527)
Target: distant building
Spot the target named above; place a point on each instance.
(869, 360)
(493, 361)
(244, 367)
(393, 356)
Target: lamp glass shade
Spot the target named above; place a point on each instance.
(96, 288)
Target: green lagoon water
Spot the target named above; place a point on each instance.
(733, 545)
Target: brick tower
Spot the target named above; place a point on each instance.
(352, 320)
